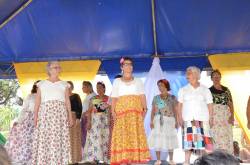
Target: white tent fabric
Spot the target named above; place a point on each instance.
(155, 73)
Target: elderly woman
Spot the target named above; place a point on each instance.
(163, 136)
(52, 119)
(195, 109)
(223, 114)
(97, 141)
(129, 143)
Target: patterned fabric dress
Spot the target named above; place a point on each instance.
(195, 113)
(129, 143)
(85, 107)
(222, 131)
(19, 144)
(97, 141)
(51, 145)
(163, 136)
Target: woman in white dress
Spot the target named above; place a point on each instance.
(19, 144)
(52, 120)
(163, 136)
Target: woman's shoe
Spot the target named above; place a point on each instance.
(158, 162)
(171, 162)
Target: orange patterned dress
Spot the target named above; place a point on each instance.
(129, 143)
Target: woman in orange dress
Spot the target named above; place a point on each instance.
(129, 143)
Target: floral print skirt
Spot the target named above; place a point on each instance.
(19, 144)
(51, 143)
(129, 143)
(222, 131)
(97, 141)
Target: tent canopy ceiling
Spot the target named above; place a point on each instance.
(108, 29)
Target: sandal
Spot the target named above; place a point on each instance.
(158, 162)
(171, 162)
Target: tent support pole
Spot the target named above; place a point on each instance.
(154, 29)
(15, 13)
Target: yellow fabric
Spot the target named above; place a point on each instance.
(231, 61)
(234, 68)
(76, 71)
(129, 144)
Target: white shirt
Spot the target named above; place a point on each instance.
(121, 88)
(195, 102)
(85, 104)
(52, 91)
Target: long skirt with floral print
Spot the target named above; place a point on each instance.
(19, 144)
(222, 131)
(97, 141)
(129, 143)
(51, 143)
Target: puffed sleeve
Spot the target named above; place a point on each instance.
(66, 84)
(115, 88)
(140, 87)
(208, 95)
(180, 95)
(39, 84)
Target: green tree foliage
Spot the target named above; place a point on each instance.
(7, 114)
(8, 91)
(8, 104)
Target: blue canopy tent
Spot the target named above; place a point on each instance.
(107, 29)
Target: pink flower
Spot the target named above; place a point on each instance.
(122, 60)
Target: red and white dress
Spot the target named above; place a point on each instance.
(19, 144)
(51, 138)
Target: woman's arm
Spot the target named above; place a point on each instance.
(144, 104)
(37, 106)
(113, 104)
(152, 116)
(79, 107)
(248, 113)
(179, 114)
(68, 106)
(89, 116)
(210, 111)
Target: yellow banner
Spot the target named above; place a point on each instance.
(75, 71)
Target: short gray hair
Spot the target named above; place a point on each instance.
(49, 64)
(195, 70)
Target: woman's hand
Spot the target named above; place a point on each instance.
(151, 125)
(35, 120)
(180, 121)
(88, 125)
(15, 123)
(176, 125)
(231, 120)
(71, 122)
(211, 122)
(113, 116)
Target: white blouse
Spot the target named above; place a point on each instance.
(85, 104)
(28, 106)
(121, 88)
(52, 90)
(195, 102)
